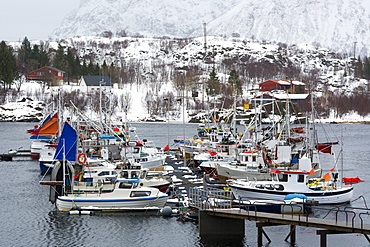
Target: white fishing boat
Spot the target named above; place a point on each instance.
(250, 164)
(321, 190)
(127, 194)
(99, 174)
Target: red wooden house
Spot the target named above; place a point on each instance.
(282, 84)
(48, 74)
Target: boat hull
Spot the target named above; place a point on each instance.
(99, 201)
(338, 196)
(235, 172)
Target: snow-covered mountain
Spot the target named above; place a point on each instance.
(335, 24)
(147, 17)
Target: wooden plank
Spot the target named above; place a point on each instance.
(51, 182)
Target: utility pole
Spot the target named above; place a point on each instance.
(205, 39)
(354, 49)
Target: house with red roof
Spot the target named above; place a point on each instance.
(48, 74)
(290, 86)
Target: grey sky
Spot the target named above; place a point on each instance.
(35, 19)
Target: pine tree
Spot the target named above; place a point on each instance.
(43, 57)
(213, 83)
(235, 82)
(7, 65)
(24, 54)
(59, 58)
(358, 68)
(366, 69)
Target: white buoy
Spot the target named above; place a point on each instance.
(166, 211)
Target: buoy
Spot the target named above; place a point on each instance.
(79, 212)
(166, 211)
(81, 158)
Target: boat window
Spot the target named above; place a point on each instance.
(124, 174)
(260, 186)
(269, 186)
(254, 158)
(279, 187)
(134, 174)
(143, 174)
(136, 150)
(139, 193)
(90, 171)
(283, 177)
(103, 173)
(125, 185)
(300, 178)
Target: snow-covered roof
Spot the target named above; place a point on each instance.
(292, 96)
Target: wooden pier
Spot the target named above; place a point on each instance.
(220, 218)
(272, 219)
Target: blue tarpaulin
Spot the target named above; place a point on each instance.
(67, 145)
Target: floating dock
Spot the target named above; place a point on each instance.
(19, 153)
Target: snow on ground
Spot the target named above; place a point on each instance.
(27, 109)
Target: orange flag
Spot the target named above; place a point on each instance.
(332, 169)
(326, 177)
(312, 171)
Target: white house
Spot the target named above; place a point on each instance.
(90, 84)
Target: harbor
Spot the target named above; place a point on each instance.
(45, 221)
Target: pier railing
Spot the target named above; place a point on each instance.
(210, 198)
(220, 200)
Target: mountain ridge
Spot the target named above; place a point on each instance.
(334, 24)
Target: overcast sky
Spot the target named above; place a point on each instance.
(35, 19)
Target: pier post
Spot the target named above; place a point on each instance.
(214, 227)
(291, 234)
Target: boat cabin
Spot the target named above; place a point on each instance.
(132, 184)
(285, 180)
(251, 159)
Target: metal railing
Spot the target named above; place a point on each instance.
(214, 199)
(210, 198)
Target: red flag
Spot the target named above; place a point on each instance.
(332, 169)
(325, 147)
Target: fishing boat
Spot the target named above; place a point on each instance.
(42, 135)
(283, 182)
(127, 194)
(100, 175)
